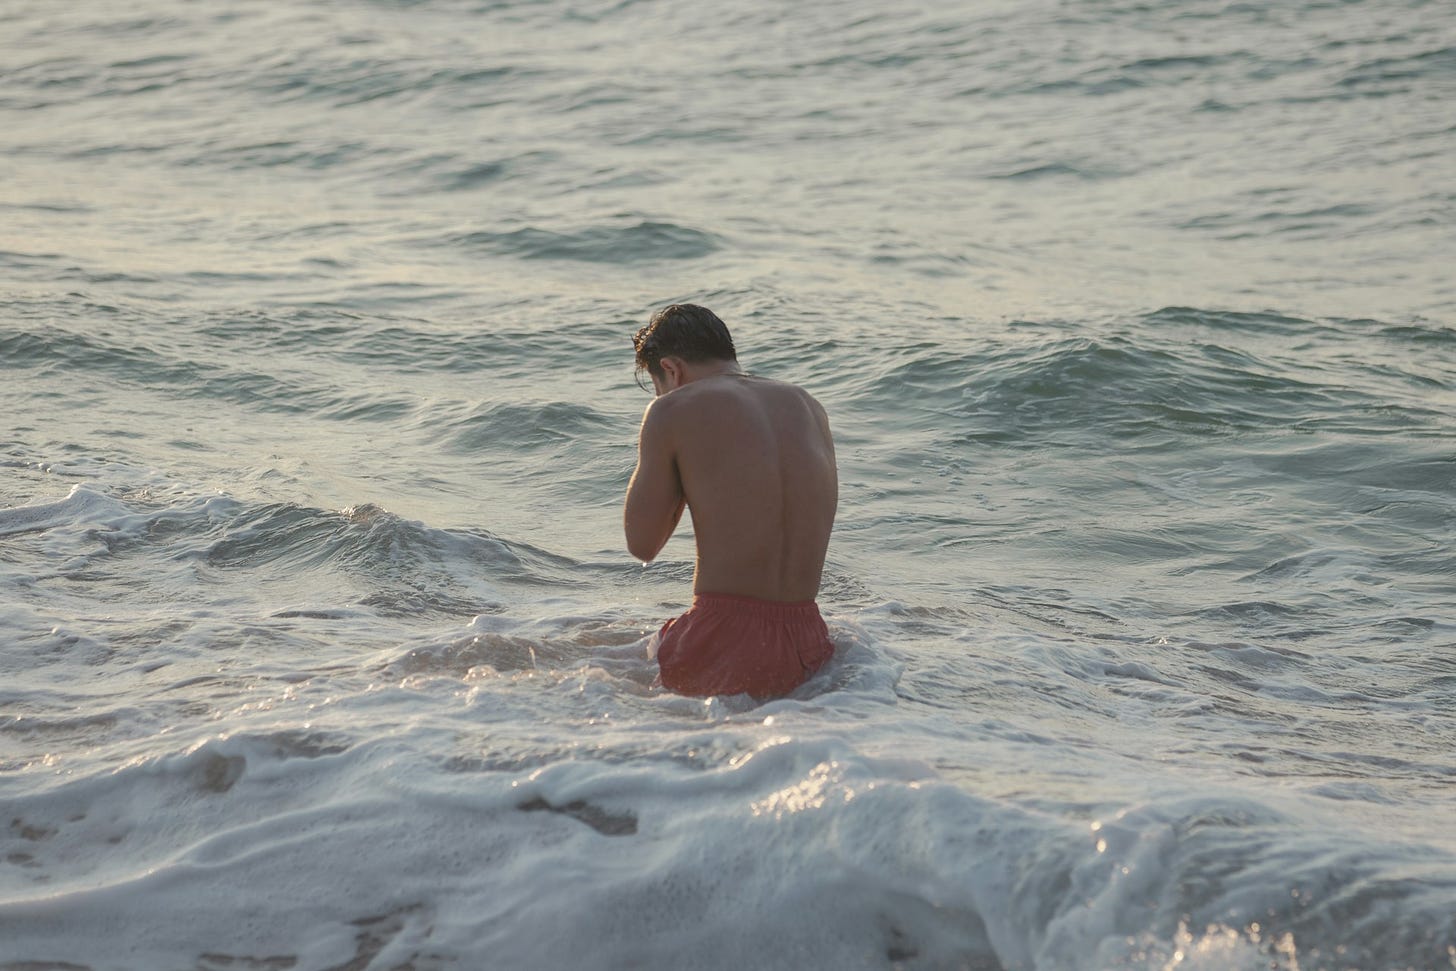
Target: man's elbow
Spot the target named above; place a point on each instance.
(643, 549)
(647, 533)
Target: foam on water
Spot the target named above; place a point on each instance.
(828, 855)
(80, 506)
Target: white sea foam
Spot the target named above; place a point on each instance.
(290, 844)
(80, 507)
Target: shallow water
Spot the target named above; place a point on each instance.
(1134, 323)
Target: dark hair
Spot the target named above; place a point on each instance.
(683, 330)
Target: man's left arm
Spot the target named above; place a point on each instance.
(655, 497)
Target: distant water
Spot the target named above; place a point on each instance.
(319, 647)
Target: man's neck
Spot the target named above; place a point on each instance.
(712, 369)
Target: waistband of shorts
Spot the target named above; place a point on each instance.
(776, 608)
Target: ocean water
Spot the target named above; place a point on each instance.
(1136, 323)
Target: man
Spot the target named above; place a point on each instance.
(754, 461)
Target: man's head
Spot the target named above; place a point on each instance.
(684, 332)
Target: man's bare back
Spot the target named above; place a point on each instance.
(754, 460)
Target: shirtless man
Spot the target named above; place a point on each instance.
(754, 461)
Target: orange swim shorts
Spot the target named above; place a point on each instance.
(727, 645)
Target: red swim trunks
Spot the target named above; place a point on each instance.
(728, 645)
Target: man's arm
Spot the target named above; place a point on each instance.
(655, 497)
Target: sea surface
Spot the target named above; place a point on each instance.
(319, 644)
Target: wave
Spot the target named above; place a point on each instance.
(1180, 374)
(321, 362)
(1392, 75)
(496, 425)
(823, 850)
(399, 566)
(646, 240)
(329, 74)
(81, 505)
(409, 567)
(190, 369)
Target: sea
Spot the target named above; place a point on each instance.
(320, 647)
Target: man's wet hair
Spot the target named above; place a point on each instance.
(683, 330)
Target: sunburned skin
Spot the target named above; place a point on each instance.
(754, 461)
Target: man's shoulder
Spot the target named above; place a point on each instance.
(787, 391)
(719, 396)
(675, 407)
(767, 393)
